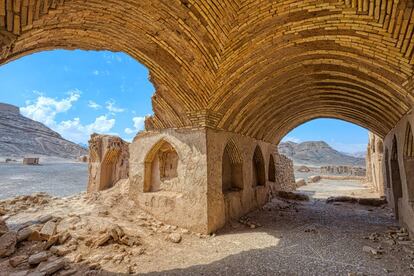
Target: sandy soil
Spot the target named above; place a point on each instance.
(57, 177)
(292, 238)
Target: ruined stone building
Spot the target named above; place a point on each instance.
(232, 78)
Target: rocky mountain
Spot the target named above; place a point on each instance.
(317, 153)
(21, 136)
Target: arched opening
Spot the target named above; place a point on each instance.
(395, 175)
(272, 169)
(409, 161)
(108, 169)
(161, 168)
(232, 169)
(258, 166)
(60, 98)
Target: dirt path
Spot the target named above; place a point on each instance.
(294, 238)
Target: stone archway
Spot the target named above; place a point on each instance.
(409, 162)
(395, 176)
(258, 168)
(161, 166)
(272, 169)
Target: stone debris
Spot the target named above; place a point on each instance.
(247, 221)
(18, 260)
(314, 178)
(113, 235)
(300, 182)
(38, 258)
(49, 229)
(375, 202)
(52, 267)
(8, 243)
(174, 238)
(3, 227)
(373, 251)
(293, 196)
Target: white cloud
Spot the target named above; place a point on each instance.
(139, 124)
(111, 106)
(291, 139)
(45, 109)
(73, 130)
(95, 72)
(94, 105)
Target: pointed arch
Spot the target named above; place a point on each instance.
(395, 175)
(232, 168)
(409, 161)
(258, 165)
(161, 165)
(272, 169)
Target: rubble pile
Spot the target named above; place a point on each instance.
(375, 202)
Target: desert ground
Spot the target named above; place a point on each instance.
(57, 177)
(106, 234)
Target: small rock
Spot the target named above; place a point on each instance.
(102, 240)
(38, 258)
(49, 229)
(68, 272)
(24, 234)
(174, 237)
(52, 267)
(3, 227)
(45, 219)
(18, 260)
(60, 250)
(19, 273)
(8, 244)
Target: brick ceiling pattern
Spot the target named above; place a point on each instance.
(254, 67)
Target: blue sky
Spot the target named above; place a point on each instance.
(78, 92)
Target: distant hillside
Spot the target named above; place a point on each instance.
(21, 136)
(317, 153)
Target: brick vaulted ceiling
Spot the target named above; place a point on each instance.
(255, 67)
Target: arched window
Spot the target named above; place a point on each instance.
(160, 167)
(259, 174)
(272, 169)
(409, 161)
(395, 175)
(232, 169)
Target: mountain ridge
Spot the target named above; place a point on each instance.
(317, 153)
(21, 136)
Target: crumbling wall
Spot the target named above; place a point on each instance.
(374, 168)
(285, 175)
(344, 170)
(108, 162)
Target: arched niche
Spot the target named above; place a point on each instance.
(387, 168)
(395, 175)
(409, 161)
(272, 169)
(232, 169)
(380, 146)
(161, 166)
(108, 168)
(258, 167)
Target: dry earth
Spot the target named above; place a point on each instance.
(105, 234)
